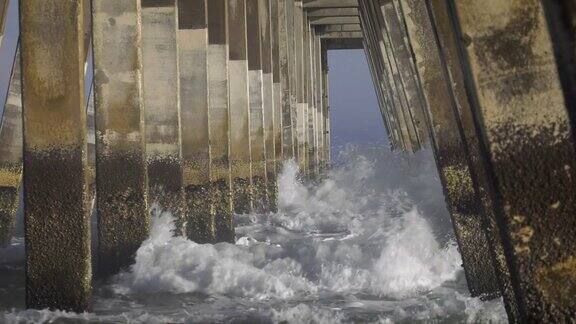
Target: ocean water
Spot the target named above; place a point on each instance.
(370, 243)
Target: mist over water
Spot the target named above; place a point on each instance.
(371, 243)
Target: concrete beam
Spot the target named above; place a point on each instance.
(339, 28)
(343, 43)
(335, 20)
(162, 107)
(531, 152)
(11, 154)
(330, 3)
(286, 65)
(123, 220)
(58, 267)
(341, 35)
(219, 119)
(268, 94)
(240, 158)
(256, 89)
(193, 68)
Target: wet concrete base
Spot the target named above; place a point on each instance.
(224, 217)
(57, 231)
(200, 215)
(166, 189)
(242, 196)
(8, 207)
(272, 192)
(260, 194)
(123, 219)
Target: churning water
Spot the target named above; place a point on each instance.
(372, 243)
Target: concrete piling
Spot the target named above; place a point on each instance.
(268, 103)
(11, 154)
(256, 90)
(219, 119)
(162, 108)
(301, 109)
(450, 153)
(277, 85)
(438, 13)
(3, 12)
(240, 158)
(121, 179)
(530, 151)
(311, 102)
(193, 68)
(58, 267)
(285, 66)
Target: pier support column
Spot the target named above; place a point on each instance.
(256, 90)
(11, 154)
(277, 86)
(58, 269)
(326, 108)
(461, 197)
(121, 180)
(319, 98)
(445, 42)
(3, 14)
(193, 68)
(284, 28)
(300, 83)
(530, 151)
(311, 101)
(219, 119)
(268, 94)
(240, 157)
(162, 106)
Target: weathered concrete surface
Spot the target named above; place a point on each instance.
(58, 269)
(219, 119)
(3, 14)
(452, 162)
(311, 100)
(277, 86)
(256, 90)
(326, 108)
(284, 28)
(240, 158)
(449, 57)
(10, 154)
(406, 69)
(162, 107)
(293, 69)
(300, 85)
(193, 67)
(121, 179)
(318, 87)
(510, 66)
(268, 94)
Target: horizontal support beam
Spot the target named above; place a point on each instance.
(334, 20)
(338, 28)
(338, 35)
(330, 3)
(333, 12)
(343, 43)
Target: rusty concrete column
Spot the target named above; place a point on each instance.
(121, 180)
(277, 85)
(376, 36)
(319, 98)
(193, 68)
(326, 108)
(219, 119)
(284, 28)
(256, 90)
(58, 269)
(445, 42)
(511, 74)
(300, 84)
(406, 69)
(268, 95)
(162, 107)
(11, 154)
(451, 159)
(311, 101)
(240, 158)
